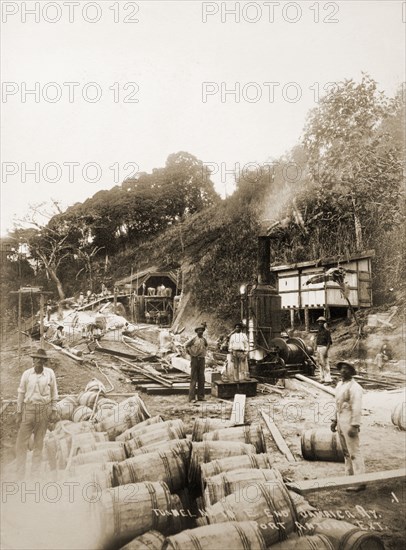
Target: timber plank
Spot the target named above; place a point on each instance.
(277, 436)
(238, 411)
(340, 482)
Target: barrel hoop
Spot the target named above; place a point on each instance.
(206, 453)
(216, 467)
(215, 436)
(243, 537)
(254, 462)
(292, 507)
(154, 501)
(334, 446)
(227, 486)
(272, 508)
(313, 444)
(133, 471)
(247, 434)
(344, 539)
(167, 467)
(195, 541)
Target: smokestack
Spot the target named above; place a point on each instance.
(264, 260)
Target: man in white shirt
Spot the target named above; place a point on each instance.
(238, 347)
(347, 420)
(36, 406)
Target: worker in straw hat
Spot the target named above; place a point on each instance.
(347, 420)
(323, 343)
(196, 347)
(36, 406)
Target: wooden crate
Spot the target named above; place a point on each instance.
(229, 389)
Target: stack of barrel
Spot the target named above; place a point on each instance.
(154, 487)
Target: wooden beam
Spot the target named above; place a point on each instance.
(277, 436)
(315, 384)
(238, 411)
(340, 482)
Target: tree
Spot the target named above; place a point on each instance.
(355, 170)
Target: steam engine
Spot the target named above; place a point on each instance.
(271, 355)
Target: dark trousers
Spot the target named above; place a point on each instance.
(197, 365)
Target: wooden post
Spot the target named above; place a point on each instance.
(19, 328)
(292, 318)
(41, 319)
(306, 317)
(115, 299)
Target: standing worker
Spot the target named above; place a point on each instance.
(323, 343)
(197, 349)
(348, 420)
(36, 406)
(238, 348)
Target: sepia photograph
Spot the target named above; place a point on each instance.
(203, 275)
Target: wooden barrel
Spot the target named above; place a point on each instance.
(94, 480)
(211, 450)
(66, 427)
(66, 406)
(98, 446)
(88, 398)
(245, 434)
(245, 535)
(166, 466)
(302, 507)
(312, 542)
(129, 511)
(268, 504)
(204, 425)
(58, 443)
(81, 413)
(151, 540)
(140, 428)
(105, 455)
(222, 485)
(321, 445)
(346, 536)
(128, 413)
(175, 429)
(399, 416)
(82, 469)
(182, 446)
(95, 386)
(216, 467)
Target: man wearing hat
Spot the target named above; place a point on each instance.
(196, 347)
(347, 420)
(238, 348)
(36, 406)
(323, 343)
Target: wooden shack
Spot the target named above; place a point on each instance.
(326, 296)
(152, 295)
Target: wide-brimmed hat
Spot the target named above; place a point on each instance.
(341, 364)
(40, 354)
(238, 325)
(321, 320)
(200, 327)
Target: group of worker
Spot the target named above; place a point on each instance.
(38, 395)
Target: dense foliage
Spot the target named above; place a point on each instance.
(339, 191)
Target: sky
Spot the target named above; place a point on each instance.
(93, 92)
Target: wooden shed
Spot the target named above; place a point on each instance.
(296, 294)
(152, 294)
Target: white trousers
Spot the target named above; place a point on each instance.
(354, 463)
(324, 363)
